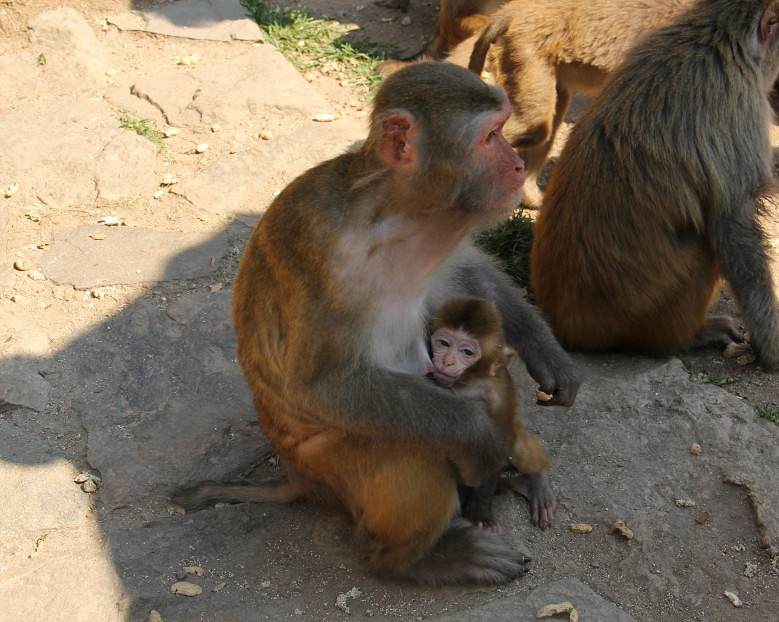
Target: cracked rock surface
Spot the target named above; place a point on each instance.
(118, 378)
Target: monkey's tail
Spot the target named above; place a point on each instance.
(206, 494)
(489, 35)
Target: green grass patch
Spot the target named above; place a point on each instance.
(143, 127)
(511, 242)
(718, 380)
(768, 412)
(313, 43)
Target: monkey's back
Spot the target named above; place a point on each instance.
(621, 256)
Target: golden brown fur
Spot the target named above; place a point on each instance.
(656, 194)
(542, 51)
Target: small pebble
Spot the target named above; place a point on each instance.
(158, 194)
(195, 570)
(185, 588)
(406, 21)
(170, 179)
(170, 132)
(215, 287)
(89, 486)
(695, 449)
(154, 616)
(111, 72)
(16, 298)
(215, 127)
(219, 586)
(324, 118)
(201, 148)
(685, 503)
(734, 599)
(265, 135)
(192, 59)
(11, 190)
(36, 276)
(21, 265)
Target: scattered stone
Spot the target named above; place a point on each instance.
(695, 449)
(264, 135)
(702, 518)
(340, 601)
(323, 117)
(158, 194)
(11, 190)
(219, 586)
(21, 265)
(36, 548)
(685, 503)
(734, 599)
(87, 476)
(359, 7)
(215, 287)
(110, 221)
(216, 128)
(101, 293)
(170, 179)
(154, 616)
(191, 59)
(406, 21)
(33, 216)
(170, 132)
(580, 527)
(750, 570)
(620, 526)
(89, 486)
(16, 298)
(552, 610)
(265, 584)
(386, 20)
(195, 570)
(111, 72)
(36, 276)
(746, 359)
(308, 77)
(98, 236)
(734, 350)
(185, 588)
(201, 148)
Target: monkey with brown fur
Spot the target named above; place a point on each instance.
(469, 355)
(656, 195)
(542, 51)
(331, 306)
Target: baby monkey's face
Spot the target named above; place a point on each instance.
(454, 351)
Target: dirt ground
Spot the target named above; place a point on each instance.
(144, 389)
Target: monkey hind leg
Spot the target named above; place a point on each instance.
(477, 506)
(467, 554)
(717, 330)
(531, 460)
(205, 494)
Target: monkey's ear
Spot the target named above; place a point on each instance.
(768, 24)
(502, 360)
(397, 145)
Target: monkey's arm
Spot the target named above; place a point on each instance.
(525, 329)
(390, 406)
(740, 246)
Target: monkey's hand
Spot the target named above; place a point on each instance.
(558, 378)
(486, 453)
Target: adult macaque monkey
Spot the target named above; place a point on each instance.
(331, 307)
(656, 195)
(469, 355)
(542, 51)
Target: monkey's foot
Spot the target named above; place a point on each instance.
(717, 330)
(538, 491)
(467, 554)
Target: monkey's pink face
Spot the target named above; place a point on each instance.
(499, 158)
(453, 352)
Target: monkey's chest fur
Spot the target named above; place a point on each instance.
(393, 269)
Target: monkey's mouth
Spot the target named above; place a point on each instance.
(443, 379)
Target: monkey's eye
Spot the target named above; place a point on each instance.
(491, 135)
(468, 351)
(443, 342)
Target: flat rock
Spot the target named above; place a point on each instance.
(161, 416)
(216, 20)
(63, 151)
(522, 607)
(129, 255)
(22, 385)
(50, 544)
(73, 59)
(243, 184)
(259, 85)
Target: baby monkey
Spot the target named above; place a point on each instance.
(470, 356)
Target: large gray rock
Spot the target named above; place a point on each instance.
(22, 385)
(259, 85)
(72, 59)
(129, 255)
(217, 20)
(242, 185)
(64, 151)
